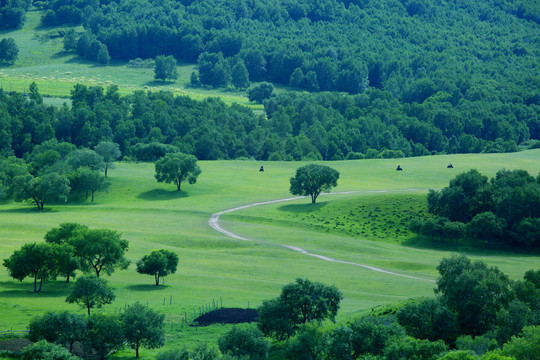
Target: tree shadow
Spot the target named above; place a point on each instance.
(158, 83)
(16, 289)
(61, 54)
(27, 210)
(161, 194)
(146, 287)
(302, 208)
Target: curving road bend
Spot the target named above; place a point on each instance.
(214, 224)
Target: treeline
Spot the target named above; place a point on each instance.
(327, 126)
(478, 52)
(504, 209)
(13, 13)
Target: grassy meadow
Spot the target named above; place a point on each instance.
(42, 60)
(152, 215)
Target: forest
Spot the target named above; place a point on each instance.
(297, 126)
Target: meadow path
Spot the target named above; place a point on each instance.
(214, 223)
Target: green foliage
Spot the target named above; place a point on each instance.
(429, 319)
(43, 350)
(91, 291)
(32, 260)
(526, 346)
(52, 187)
(414, 349)
(104, 334)
(308, 344)
(260, 92)
(311, 180)
(370, 334)
(109, 151)
(248, 342)
(474, 291)
(9, 50)
(158, 263)
(340, 344)
(100, 250)
(478, 345)
(165, 68)
(299, 303)
(58, 327)
(176, 168)
(143, 327)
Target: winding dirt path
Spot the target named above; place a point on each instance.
(213, 222)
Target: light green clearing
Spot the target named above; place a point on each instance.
(152, 215)
(43, 60)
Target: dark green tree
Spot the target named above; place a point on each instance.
(165, 68)
(244, 342)
(176, 168)
(240, 76)
(32, 260)
(158, 263)
(104, 333)
(92, 181)
(51, 187)
(260, 92)
(90, 292)
(100, 250)
(60, 328)
(311, 180)
(9, 51)
(143, 327)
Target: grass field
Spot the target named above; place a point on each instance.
(42, 60)
(212, 266)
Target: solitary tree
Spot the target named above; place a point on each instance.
(9, 52)
(100, 250)
(165, 68)
(143, 327)
(110, 151)
(177, 167)
(312, 180)
(90, 292)
(35, 260)
(104, 333)
(158, 263)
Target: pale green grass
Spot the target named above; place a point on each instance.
(42, 60)
(152, 215)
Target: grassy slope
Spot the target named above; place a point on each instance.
(42, 59)
(152, 215)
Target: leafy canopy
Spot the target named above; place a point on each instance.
(311, 180)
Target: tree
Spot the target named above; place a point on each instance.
(100, 250)
(299, 303)
(240, 342)
(260, 92)
(35, 260)
(474, 291)
(311, 180)
(158, 263)
(524, 347)
(309, 343)
(44, 350)
(110, 152)
(143, 327)
(92, 181)
(177, 167)
(486, 226)
(47, 188)
(103, 56)
(34, 93)
(104, 333)
(9, 52)
(60, 328)
(240, 76)
(70, 40)
(91, 291)
(85, 158)
(165, 68)
(65, 262)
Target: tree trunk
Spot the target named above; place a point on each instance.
(156, 277)
(106, 167)
(93, 196)
(137, 350)
(35, 282)
(67, 279)
(178, 185)
(88, 307)
(40, 284)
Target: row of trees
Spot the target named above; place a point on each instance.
(55, 170)
(325, 126)
(71, 247)
(13, 13)
(98, 334)
(505, 208)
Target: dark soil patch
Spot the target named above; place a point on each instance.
(227, 316)
(14, 345)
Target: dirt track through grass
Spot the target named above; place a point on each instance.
(213, 222)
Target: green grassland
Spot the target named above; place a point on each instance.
(212, 266)
(43, 60)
